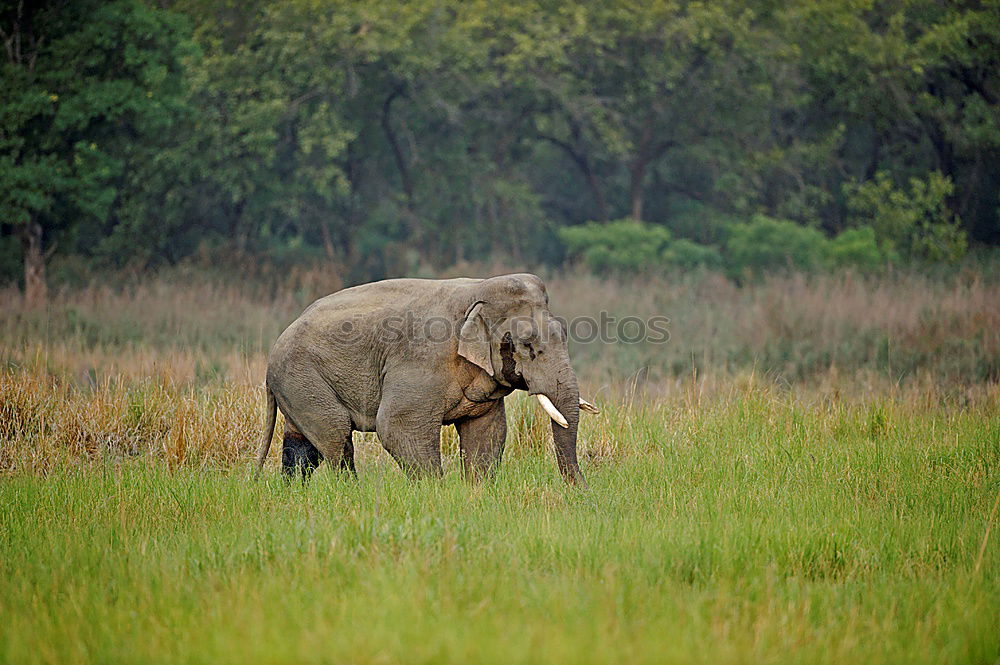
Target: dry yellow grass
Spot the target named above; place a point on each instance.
(172, 366)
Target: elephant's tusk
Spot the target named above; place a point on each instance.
(587, 406)
(551, 409)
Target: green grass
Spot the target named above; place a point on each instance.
(806, 472)
(751, 528)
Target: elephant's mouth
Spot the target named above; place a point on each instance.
(509, 370)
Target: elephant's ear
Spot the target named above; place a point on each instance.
(474, 339)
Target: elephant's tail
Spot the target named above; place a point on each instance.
(265, 442)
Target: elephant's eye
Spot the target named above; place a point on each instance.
(530, 349)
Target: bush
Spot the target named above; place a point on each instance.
(624, 245)
(701, 223)
(763, 244)
(774, 244)
(689, 255)
(856, 248)
(630, 246)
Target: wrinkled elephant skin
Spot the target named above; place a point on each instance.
(402, 357)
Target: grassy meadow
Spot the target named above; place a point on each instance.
(806, 472)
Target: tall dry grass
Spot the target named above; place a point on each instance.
(51, 422)
(795, 328)
(799, 327)
(171, 365)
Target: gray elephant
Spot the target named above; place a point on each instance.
(403, 357)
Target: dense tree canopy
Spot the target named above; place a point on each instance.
(390, 137)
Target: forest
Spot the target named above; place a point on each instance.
(390, 138)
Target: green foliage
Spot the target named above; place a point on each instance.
(766, 244)
(623, 245)
(686, 254)
(697, 221)
(761, 245)
(90, 87)
(390, 138)
(916, 223)
(774, 244)
(856, 248)
(631, 246)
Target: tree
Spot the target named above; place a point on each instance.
(84, 81)
(621, 85)
(394, 138)
(916, 224)
(911, 89)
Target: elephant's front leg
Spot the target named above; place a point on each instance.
(411, 435)
(481, 440)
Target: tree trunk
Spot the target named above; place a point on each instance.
(595, 190)
(413, 219)
(637, 169)
(638, 173)
(331, 253)
(35, 288)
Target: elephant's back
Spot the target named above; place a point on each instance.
(356, 320)
(386, 297)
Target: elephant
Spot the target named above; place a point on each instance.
(403, 357)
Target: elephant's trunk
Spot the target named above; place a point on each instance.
(567, 400)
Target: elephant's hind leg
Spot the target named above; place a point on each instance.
(298, 456)
(319, 417)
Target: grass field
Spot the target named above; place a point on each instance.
(735, 515)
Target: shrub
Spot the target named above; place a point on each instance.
(774, 244)
(624, 245)
(763, 244)
(856, 248)
(702, 223)
(686, 254)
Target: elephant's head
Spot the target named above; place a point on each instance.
(510, 333)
